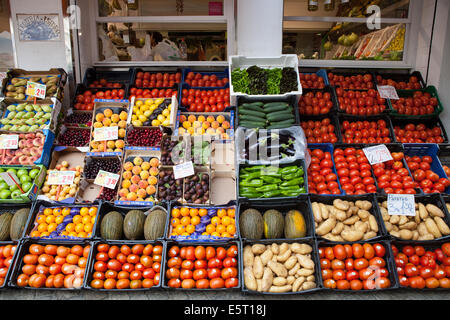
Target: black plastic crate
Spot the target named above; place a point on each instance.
(328, 89)
(429, 123)
(155, 70)
(389, 259)
(90, 267)
(399, 77)
(350, 73)
(23, 250)
(13, 207)
(314, 256)
(122, 77)
(382, 233)
(302, 204)
(81, 89)
(388, 107)
(444, 154)
(333, 120)
(225, 245)
(13, 261)
(351, 119)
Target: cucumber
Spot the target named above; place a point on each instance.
(278, 108)
(280, 117)
(281, 124)
(248, 124)
(251, 107)
(246, 117)
(252, 113)
(273, 104)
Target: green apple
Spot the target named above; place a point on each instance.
(13, 188)
(25, 178)
(26, 186)
(16, 194)
(5, 194)
(2, 170)
(12, 171)
(4, 186)
(21, 172)
(33, 173)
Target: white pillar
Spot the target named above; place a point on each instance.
(259, 27)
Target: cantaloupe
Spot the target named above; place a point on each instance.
(133, 225)
(294, 225)
(18, 222)
(273, 224)
(5, 225)
(251, 224)
(155, 224)
(111, 227)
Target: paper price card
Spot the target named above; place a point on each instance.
(388, 92)
(61, 177)
(9, 141)
(183, 170)
(37, 90)
(10, 178)
(401, 204)
(106, 133)
(377, 154)
(106, 179)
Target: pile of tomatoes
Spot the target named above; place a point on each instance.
(424, 177)
(6, 256)
(358, 82)
(54, 266)
(420, 103)
(319, 131)
(354, 267)
(362, 103)
(207, 81)
(126, 267)
(366, 132)
(354, 171)
(202, 268)
(315, 103)
(321, 178)
(311, 81)
(103, 83)
(197, 100)
(152, 93)
(419, 268)
(156, 80)
(419, 133)
(412, 84)
(85, 101)
(393, 177)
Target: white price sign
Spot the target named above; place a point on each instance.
(61, 177)
(106, 133)
(401, 204)
(35, 89)
(106, 179)
(377, 154)
(10, 178)
(388, 92)
(9, 141)
(183, 170)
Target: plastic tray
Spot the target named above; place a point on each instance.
(314, 257)
(328, 89)
(13, 261)
(23, 250)
(409, 93)
(322, 73)
(333, 120)
(301, 204)
(399, 77)
(387, 104)
(90, 266)
(170, 243)
(122, 77)
(382, 233)
(389, 259)
(429, 123)
(351, 118)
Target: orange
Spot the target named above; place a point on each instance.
(40, 219)
(64, 233)
(48, 211)
(210, 228)
(202, 212)
(230, 212)
(152, 180)
(174, 222)
(73, 234)
(42, 227)
(179, 229)
(221, 228)
(44, 234)
(84, 211)
(65, 211)
(221, 213)
(226, 235)
(52, 227)
(215, 234)
(82, 234)
(193, 212)
(185, 221)
(59, 219)
(195, 220)
(185, 234)
(77, 219)
(184, 211)
(231, 229)
(56, 211)
(190, 229)
(88, 227)
(79, 228)
(92, 211)
(175, 212)
(215, 221)
(93, 220)
(35, 234)
(70, 227)
(86, 219)
(205, 234)
(226, 220)
(108, 112)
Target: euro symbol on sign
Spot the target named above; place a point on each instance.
(374, 20)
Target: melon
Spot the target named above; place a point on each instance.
(294, 225)
(5, 225)
(111, 227)
(133, 225)
(18, 222)
(251, 224)
(155, 224)
(273, 224)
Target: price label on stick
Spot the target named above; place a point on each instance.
(388, 92)
(377, 154)
(401, 204)
(9, 141)
(183, 170)
(106, 133)
(106, 179)
(35, 89)
(61, 177)
(10, 178)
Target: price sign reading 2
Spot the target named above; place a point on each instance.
(377, 154)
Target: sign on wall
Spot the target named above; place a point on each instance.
(37, 27)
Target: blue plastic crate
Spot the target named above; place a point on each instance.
(427, 149)
(321, 73)
(187, 87)
(327, 147)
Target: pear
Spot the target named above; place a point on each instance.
(20, 107)
(353, 37)
(46, 108)
(33, 128)
(30, 122)
(29, 108)
(38, 115)
(10, 88)
(11, 115)
(328, 46)
(11, 107)
(23, 128)
(341, 39)
(43, 126)
(7, 127)
(14, 128)
(5, 121)
(37, 108)
(20, 96)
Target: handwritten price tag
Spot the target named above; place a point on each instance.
(388, 92)
(106, 179)
(10, 178)
(37, 90)
(183, 170)
(9, 141)
(61, 177)
(401, 204)
(377, 154)
(106, 133)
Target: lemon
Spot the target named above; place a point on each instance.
(134, 117)
(156, 123)
(149, 102)
(161, 118)
(142, 118)
(145, 107)
(159, 101)
(148, 113)
(166, 113)
(169, 107)
(166, 123)
(138, 112)
(153, 107)
(137, 123)
(139, 103)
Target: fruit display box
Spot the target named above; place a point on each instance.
(197, 187)
(398, 77)
(410, 93)
(172, 117)
(36, 183)
(148, 137)
(82, 97)
(73, 279)
(329, 89)
(78, 118)
(74, 138)
(122, 78)
(25, 75)
(358, 74)
(322, 73)
(217, 94)
(15, 230)
(309, 125)
(34, 148)
(220, 74)
(204, 217)
(42, 115)
(7, 274)
(429, 124)
(223, 130)
(70, 222)
(175, 149)
(223, 174)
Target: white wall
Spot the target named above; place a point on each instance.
(444, 79)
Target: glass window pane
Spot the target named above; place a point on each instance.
(144, 42)
(124, 8)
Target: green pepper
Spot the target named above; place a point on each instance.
(297, 181)
(289, 170)
(272, 194)
(251, 183)
(288, 193)
(271, 180)
(290, 188)
(251, 195)
(266, 188)
(299, 173)
(270, 171)
(247, 190)
(255, 168)
(250, 176)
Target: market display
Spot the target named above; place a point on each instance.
(6, 256)
(151, 113)
(30, 149)
(200, 100)
(320, 131)
(274, 115)
(26, 117)
(418, 133)
(361, 103)
(322, 176)
(157, 79)
(366, 132)
(419, 104)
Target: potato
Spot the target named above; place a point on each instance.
(279, 281)
(249, 279)
(294, 269)
(338, 228)
(258, 248)
(266, 257)
(248, 256)
(395, 233)
(275, 249)
(422, 229)
(305, 261)
(259, 285)
(353, 209)
(352, 235)
(258, 268)
(361, 226)
(369, 235)
(308, 285)
(388, 226)
(405, 234)
(316, 212)
(311, 278)
(434, 211)
(283, 248)
(409, 225)
(275, 289)
(298, 283)
(332, 237)
(351, 221)
(274, 258)
(326, 226)
(267, 279)
(283, 257)
(305, 272)
(395, 219)
(426, 237)
(417, 218)
(324, 211)
(432, 228)
(301, 248)
(338, 214)
(415, 235)
(373, 223)
(403, 220)
(442, 226)
(341, 205)
(279, 269)
(423, 213)
(290, 280)
(365, 205)
(363, 214)
(385, 214)
(290, 262)
(384, 204)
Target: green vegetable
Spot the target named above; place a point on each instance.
(251, 195)
(281, 116)
(251, 118)
(288, 193)
(257, 80)
(272, 194)
(249, 176)
(273, 80)
(252, 113)
(251, 183)
(297, 181)
(266, 188)
(288, 81)
(294, 175)
(252, 124)
(270, 179)
(240, 80)
(288, 170)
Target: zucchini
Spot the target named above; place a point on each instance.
(281, 124)
(280, 116)
(278, 109)
(246, 117)
(249, 124)
(252, 113)
(273, 104)
(257, 104)
(251, 107)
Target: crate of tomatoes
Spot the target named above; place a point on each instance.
(96, 78)
(419, 131)
(361, 103)
(152, 93)
(418, 104)
(206, 79)
(400, 81)
(367, 130)
(318, 101)
(8, 253)
(141, 78)
(315, 80)
(84, 97)
(204, 100)
(321, 129)
(355, 80)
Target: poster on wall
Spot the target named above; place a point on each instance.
(37, 27)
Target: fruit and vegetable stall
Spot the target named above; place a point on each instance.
(262, 178)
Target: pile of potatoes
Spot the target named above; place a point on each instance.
(427, 224)
(345, 220)
(279, 268)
